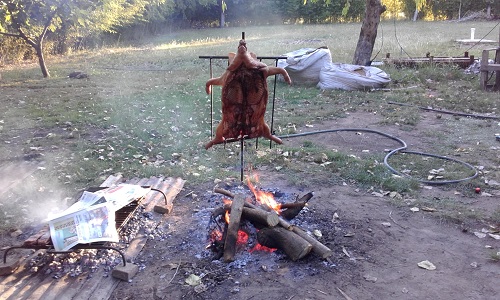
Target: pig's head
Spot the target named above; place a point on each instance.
(242, 56)
(242, 47)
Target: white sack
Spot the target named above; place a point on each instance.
(304, 65)
(351, 77)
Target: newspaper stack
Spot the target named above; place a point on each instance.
(92, 218)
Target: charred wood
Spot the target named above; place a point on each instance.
(258, 217)
(318, 248)
(282, 222)
(233, 227)
(291, 210)
(294, 246)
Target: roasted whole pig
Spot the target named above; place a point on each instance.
(244, 97)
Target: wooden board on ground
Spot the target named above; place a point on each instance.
(24, 284)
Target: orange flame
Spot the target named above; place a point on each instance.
(226, 216)
(264, 198)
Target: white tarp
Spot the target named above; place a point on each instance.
(304, 65)
(314, 66)
(352, 77)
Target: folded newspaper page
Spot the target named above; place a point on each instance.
(92, 218)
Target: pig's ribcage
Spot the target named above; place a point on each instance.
(244, 101)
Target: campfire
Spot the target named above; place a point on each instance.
(257, 214)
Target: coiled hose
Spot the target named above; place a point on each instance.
(401, 149)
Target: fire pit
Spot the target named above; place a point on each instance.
(255, 215)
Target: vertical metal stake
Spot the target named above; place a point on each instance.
(211, 105)
(272, 111)
(242, 144)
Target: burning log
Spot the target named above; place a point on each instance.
(282, 222)
(261, 217)
(256, 216)
(292, 244)
(291, 210)
(233, 227)
(224, 192)
(294, 241)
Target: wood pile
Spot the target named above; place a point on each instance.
(274, 230)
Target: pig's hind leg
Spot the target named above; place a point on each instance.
(219, 138)
(266, 132)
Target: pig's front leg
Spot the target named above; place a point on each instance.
(214, 81)
(277, 70)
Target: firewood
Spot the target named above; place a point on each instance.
(260, 217)
(41, 238)
(318, 248)
(292, 205)
(291, 210)
(282, 222)
(224, 192)
(233, 227)
(294, 246)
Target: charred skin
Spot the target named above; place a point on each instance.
(244, 97)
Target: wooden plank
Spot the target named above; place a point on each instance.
(158, 198)
(112, 180)
(153, 183)
(16, 285)
(172, 193)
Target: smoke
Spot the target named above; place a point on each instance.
(29, 195)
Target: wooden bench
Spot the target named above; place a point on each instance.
(488, 70)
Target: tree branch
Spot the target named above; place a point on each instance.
(11, 34)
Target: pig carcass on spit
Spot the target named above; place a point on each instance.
(244, 97)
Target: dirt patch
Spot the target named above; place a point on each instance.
(377, 239)
(377, 244)
(371, 259)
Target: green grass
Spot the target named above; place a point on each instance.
(143, 111)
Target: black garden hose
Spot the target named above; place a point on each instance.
(401, 149)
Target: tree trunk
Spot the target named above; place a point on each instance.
(41, 60)
(368, 34)
(460, 10)
(222, 19)
(415, 15)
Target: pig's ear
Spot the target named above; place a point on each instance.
(231, 56)
(253, 55)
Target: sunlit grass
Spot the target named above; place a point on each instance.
(194, 43)
(143, 110)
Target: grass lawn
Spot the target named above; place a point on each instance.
(143, 110)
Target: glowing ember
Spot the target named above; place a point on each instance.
(264, 198)
(242, 238)
(259, 247)
(215, 235)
